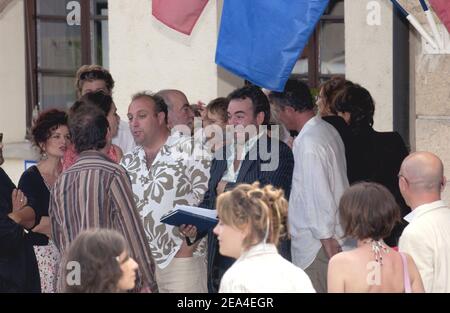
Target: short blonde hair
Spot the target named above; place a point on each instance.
(90, 73)
(263, 210)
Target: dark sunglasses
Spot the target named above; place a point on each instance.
(95, 74)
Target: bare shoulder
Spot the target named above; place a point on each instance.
(341, 259)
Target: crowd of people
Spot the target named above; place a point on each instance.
(309, 196)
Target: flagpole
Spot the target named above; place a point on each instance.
(432, 24)
(415, 23)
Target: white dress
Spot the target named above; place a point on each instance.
(47, 259)
(262, 269)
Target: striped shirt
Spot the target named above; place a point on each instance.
(96, 193)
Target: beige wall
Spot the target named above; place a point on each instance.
(147, 55)
(368, 54)
(430, 107)
(12, 83)
(12, 72)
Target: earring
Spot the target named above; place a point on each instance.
(44, 156)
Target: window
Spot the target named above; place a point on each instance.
(57, 48)
(324, 55)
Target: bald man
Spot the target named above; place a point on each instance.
(427, 237)
(179, 110)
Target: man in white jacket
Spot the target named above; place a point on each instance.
(427, 237)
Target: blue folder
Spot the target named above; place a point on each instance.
(182, 215)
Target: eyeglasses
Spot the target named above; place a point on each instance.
(400, 175)
(94, 74)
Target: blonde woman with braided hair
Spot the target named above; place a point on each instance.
(251, 221)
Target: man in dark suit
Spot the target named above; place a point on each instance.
(252, 156)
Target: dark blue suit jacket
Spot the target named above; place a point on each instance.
(251, 171)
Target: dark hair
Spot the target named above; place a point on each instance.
(160, 104)
(219, 106)
(264, 209)
(357, 101)
(46, 123)
(98, 98)
(259, 100)
(329, 90)
(96, 251)
(88, 128)
(90, 73)
(296, 94)
(368, 210)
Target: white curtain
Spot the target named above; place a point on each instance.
(4, 4)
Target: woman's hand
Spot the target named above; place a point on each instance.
(43, 227)
(19, 200)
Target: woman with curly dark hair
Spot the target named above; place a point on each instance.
(51, 135)
(98, 262)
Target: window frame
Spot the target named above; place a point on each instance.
(32, 69)
(312, 51)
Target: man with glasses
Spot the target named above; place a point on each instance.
(427, 237)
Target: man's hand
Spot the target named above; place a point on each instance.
(201, 107)
(331, 246)
(188, 230)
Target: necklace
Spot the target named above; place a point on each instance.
(378, 247)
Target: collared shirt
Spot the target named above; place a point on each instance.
(231, 175)
(96, 193)
(318, 182)
(427, 240)
(423, 208)
(262, 269)
(176, 176)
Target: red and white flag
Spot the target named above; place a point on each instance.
(442, 9)
(180, 15)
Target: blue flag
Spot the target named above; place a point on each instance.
(260, 40)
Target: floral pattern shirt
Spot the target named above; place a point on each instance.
(178, 175)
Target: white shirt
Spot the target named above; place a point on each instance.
(230, 174)
(124, 138)
(175, 177)
(318, 182)
(261, 269)
(427, 240)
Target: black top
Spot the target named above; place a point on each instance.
(18, 266)
(33, 186)
(347, 138)
(379, 156)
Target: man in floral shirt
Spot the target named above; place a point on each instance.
(165, 172)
